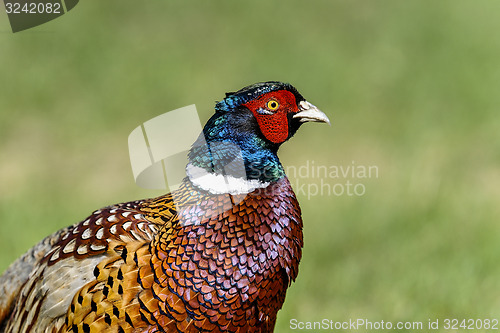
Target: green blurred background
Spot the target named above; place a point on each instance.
(411, 87)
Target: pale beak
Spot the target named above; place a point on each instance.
(309, 112)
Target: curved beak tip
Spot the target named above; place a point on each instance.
(309, 112)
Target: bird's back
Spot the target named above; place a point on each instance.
(16, 275)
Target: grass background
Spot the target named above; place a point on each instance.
(410, 86)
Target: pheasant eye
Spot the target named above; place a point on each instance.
(272, 105)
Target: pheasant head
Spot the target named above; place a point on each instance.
(242, 138)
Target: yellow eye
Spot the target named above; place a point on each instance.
(272, 105)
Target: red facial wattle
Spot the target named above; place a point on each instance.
(273, 123)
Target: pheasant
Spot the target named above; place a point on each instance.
(215, 255)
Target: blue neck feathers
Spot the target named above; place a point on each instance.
(231, 144)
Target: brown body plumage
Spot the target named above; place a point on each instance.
(186, 269)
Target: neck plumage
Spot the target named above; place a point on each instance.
(228, 159)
